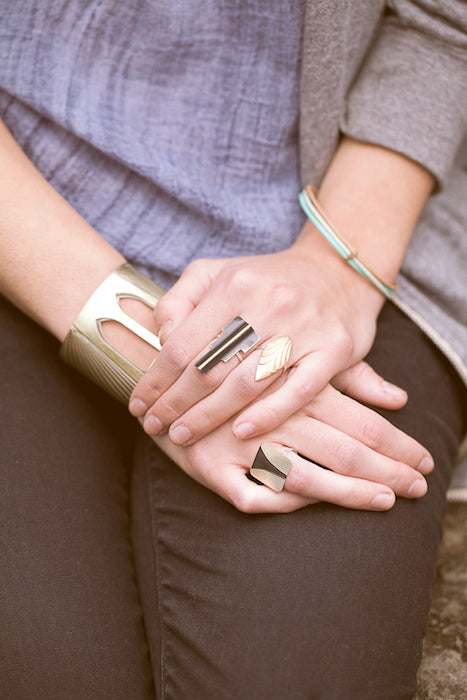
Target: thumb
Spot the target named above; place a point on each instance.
(185, 295)
(362, 383)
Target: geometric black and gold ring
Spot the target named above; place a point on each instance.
(237, 336)
(270, 467)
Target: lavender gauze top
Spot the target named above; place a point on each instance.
(173, 127)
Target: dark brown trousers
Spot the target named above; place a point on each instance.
(122, 578)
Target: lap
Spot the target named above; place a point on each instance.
(322, 603)
(70, 619)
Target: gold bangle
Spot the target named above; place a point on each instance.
(85, 347)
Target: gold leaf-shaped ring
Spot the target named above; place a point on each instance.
(274, 357)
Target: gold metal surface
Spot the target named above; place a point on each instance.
(85, 347)
(274, 357)
(270, 467)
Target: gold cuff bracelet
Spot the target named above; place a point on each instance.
(86, 349)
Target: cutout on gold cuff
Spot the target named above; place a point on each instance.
(85, 347)
(274, 357)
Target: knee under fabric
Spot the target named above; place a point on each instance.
(85, 347)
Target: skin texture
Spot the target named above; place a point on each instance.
(51, 260)
(307, 292)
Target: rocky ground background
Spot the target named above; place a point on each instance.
(443, 672)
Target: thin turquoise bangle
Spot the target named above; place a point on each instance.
(349, 255)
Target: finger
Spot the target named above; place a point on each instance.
(344, 455)
(232, 484)
(228, 479)
(312, 481)
(189, 341)
(370, 428)
(301, 386)
(361, 382)
(184, 296)
(194, 391)
(237, 390)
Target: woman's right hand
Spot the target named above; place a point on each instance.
(369, 461)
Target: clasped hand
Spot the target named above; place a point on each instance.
(331, 319)
(329, 315)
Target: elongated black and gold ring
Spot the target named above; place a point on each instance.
(270, 467)
(237, 336)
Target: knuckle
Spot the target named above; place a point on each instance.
(212, 379)
(204, 422)
(285, 295)
(360, 371)
(177, 357)
(162, 309)
(355, 498)
(343, 342)
(397, 477)
(243, 279)
(243, 501)
(245, 382)
(345, 457)
(194, 266)
(148, 386)
(296, 480)
(168, 411)
(306, 392)
(372, 431)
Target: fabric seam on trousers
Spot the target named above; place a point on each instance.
(135, 578)
(155, 541)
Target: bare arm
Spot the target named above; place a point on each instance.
(51, 261)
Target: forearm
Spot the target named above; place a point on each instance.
(374, 197)
(51, 259)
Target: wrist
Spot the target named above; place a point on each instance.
(110, 360)
(359, 292)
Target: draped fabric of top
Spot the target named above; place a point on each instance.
(171, 127)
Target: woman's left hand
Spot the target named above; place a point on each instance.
(368, 461)
(327, 310)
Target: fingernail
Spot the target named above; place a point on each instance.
(152, 425)
(244, 430)
(383, 501)
(426, 465)
(180, 434)
(137, 408)
(418, 489)
(164, 331)
(392, 389)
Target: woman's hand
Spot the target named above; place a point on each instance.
(321, 304)
(374, 197)
(368, 460)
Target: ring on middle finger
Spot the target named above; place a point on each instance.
(236, 337)
(274, 357)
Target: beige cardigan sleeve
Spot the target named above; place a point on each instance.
(410, 93)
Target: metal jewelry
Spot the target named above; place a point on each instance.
(274, 357)
(237, 336)
(270, 467)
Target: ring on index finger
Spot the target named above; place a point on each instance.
(236, 337)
